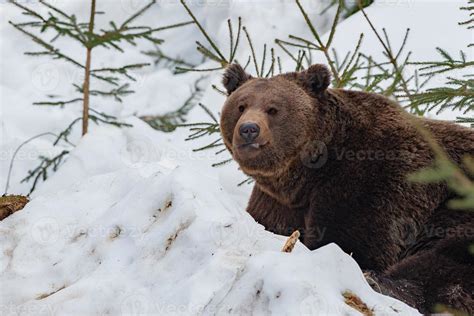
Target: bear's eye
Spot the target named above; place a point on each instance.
(241, 109)
(272, 111)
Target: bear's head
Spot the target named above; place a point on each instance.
(265, 123)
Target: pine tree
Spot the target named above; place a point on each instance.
(66, 25)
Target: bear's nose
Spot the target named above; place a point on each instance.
(249, 131)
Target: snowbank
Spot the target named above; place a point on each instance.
(135, 223)
(128, 237)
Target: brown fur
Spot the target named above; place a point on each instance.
(334, 163)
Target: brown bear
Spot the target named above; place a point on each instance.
(333, 164)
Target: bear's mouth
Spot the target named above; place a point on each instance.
(251, 145)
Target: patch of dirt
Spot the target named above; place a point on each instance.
(43, 296)
(172, 238)
(355, 302)
(115, 233)
(10, 204)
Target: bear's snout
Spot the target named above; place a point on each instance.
(249, 131)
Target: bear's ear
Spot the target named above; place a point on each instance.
(316, 78)
(234, 77)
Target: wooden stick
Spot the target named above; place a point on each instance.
(291, 241)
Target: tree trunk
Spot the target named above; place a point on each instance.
(86, 86)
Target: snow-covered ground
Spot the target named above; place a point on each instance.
(160, 238)
(135, 222)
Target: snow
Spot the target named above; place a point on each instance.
(432, 24)
(122, 237)
(135, 222)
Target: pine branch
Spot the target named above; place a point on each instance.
(306, 44)
(171, 120)
(56, 53)
(254, 58)
(214, 53)
(66, 132)
(58, 103)
(183, 69)
(444, 169)
(46, 165)
(351, 64)
(222, 163)
(110, 38)
(97, 119)
(51, 50)
(12, 160)
(393, 57)
(459, 97)
(246, 181)
(219, 90)
(137, 14)
(223, 60)
(62, 28)
(281, 43)
(201, 129)
(214, 144)
(116, 93)
(235, 44)
(348, 6)
(465, 120)
(448, 64)
(124, 70)
(321, 46)
(171, 62)
(469, 23)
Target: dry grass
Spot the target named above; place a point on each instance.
(11, 204)
(355, 302)
(43, 296)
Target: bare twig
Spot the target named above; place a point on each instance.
(291, 242)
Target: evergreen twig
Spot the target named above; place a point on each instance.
(223, 60)
(171, 120)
